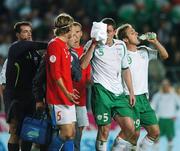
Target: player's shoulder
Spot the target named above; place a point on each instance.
(18, 43)
(118, 42)
(73, 52)
(157, 95)
(54, 41)
(143, 48)
(120, 45)
(13, 44)
(87, 45)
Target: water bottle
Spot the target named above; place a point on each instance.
(148, 36)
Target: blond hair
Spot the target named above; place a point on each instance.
(121, 31)
(63, 23)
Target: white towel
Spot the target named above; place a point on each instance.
(99, 32)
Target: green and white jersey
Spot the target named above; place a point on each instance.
(138, 64)
(107, 63)
(165, 104)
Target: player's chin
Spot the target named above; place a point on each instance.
(29, 39)
(138, 42)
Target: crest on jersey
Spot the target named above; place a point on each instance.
(99, 117)
(129, 59)
(52, 58)
(100, 51)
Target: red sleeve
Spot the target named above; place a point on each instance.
(54, 60)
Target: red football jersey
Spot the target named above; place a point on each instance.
(81, 85)
(58, 65)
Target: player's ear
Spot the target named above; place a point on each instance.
(81, 33)
(17, 35)
(125, 39)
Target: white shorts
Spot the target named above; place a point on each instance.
(63, 114)
(81, 115)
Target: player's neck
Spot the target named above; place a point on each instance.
(77, 45)
(109, 43)
(63, 38)
(132, 47)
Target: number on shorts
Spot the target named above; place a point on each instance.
(58, 115)
(137, 123)
(105, 117)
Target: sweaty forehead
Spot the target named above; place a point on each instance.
(130, 29)
(110, 28)
(24, 27)
(76, 28)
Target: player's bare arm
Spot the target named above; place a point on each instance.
(86, 57)
(162, 51)
(128, 81)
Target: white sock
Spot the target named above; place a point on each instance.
(121, 145)
(170, 146)
(155, 146)
(145, 144)
(101, 145)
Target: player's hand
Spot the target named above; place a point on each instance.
(40, 106)
(76, 94)
(132, 99)
(152, 41)
(73, 96)
(94, 42)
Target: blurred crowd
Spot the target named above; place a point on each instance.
(160, 16)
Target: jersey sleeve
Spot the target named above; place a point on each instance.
(124, 62)
(18, 48)
(3, 73)
(75, 66)
(54, 60)
(87, 45)
(39, 82)
(152, 53)
(154, 101)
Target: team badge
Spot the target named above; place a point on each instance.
(99, 117)
(52, 58)
(129, 59)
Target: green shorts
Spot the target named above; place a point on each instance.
(167, 128)
(144, 115)
(105, 105)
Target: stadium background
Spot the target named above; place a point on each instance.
(160, 16)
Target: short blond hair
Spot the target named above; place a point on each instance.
(121, 31)
(63, 23)
(77, 24)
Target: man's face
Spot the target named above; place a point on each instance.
(25, 33)
(132, 36)
(166, 86)
(77, 33)
(71, 41)
(70, 33)
(110, 33)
